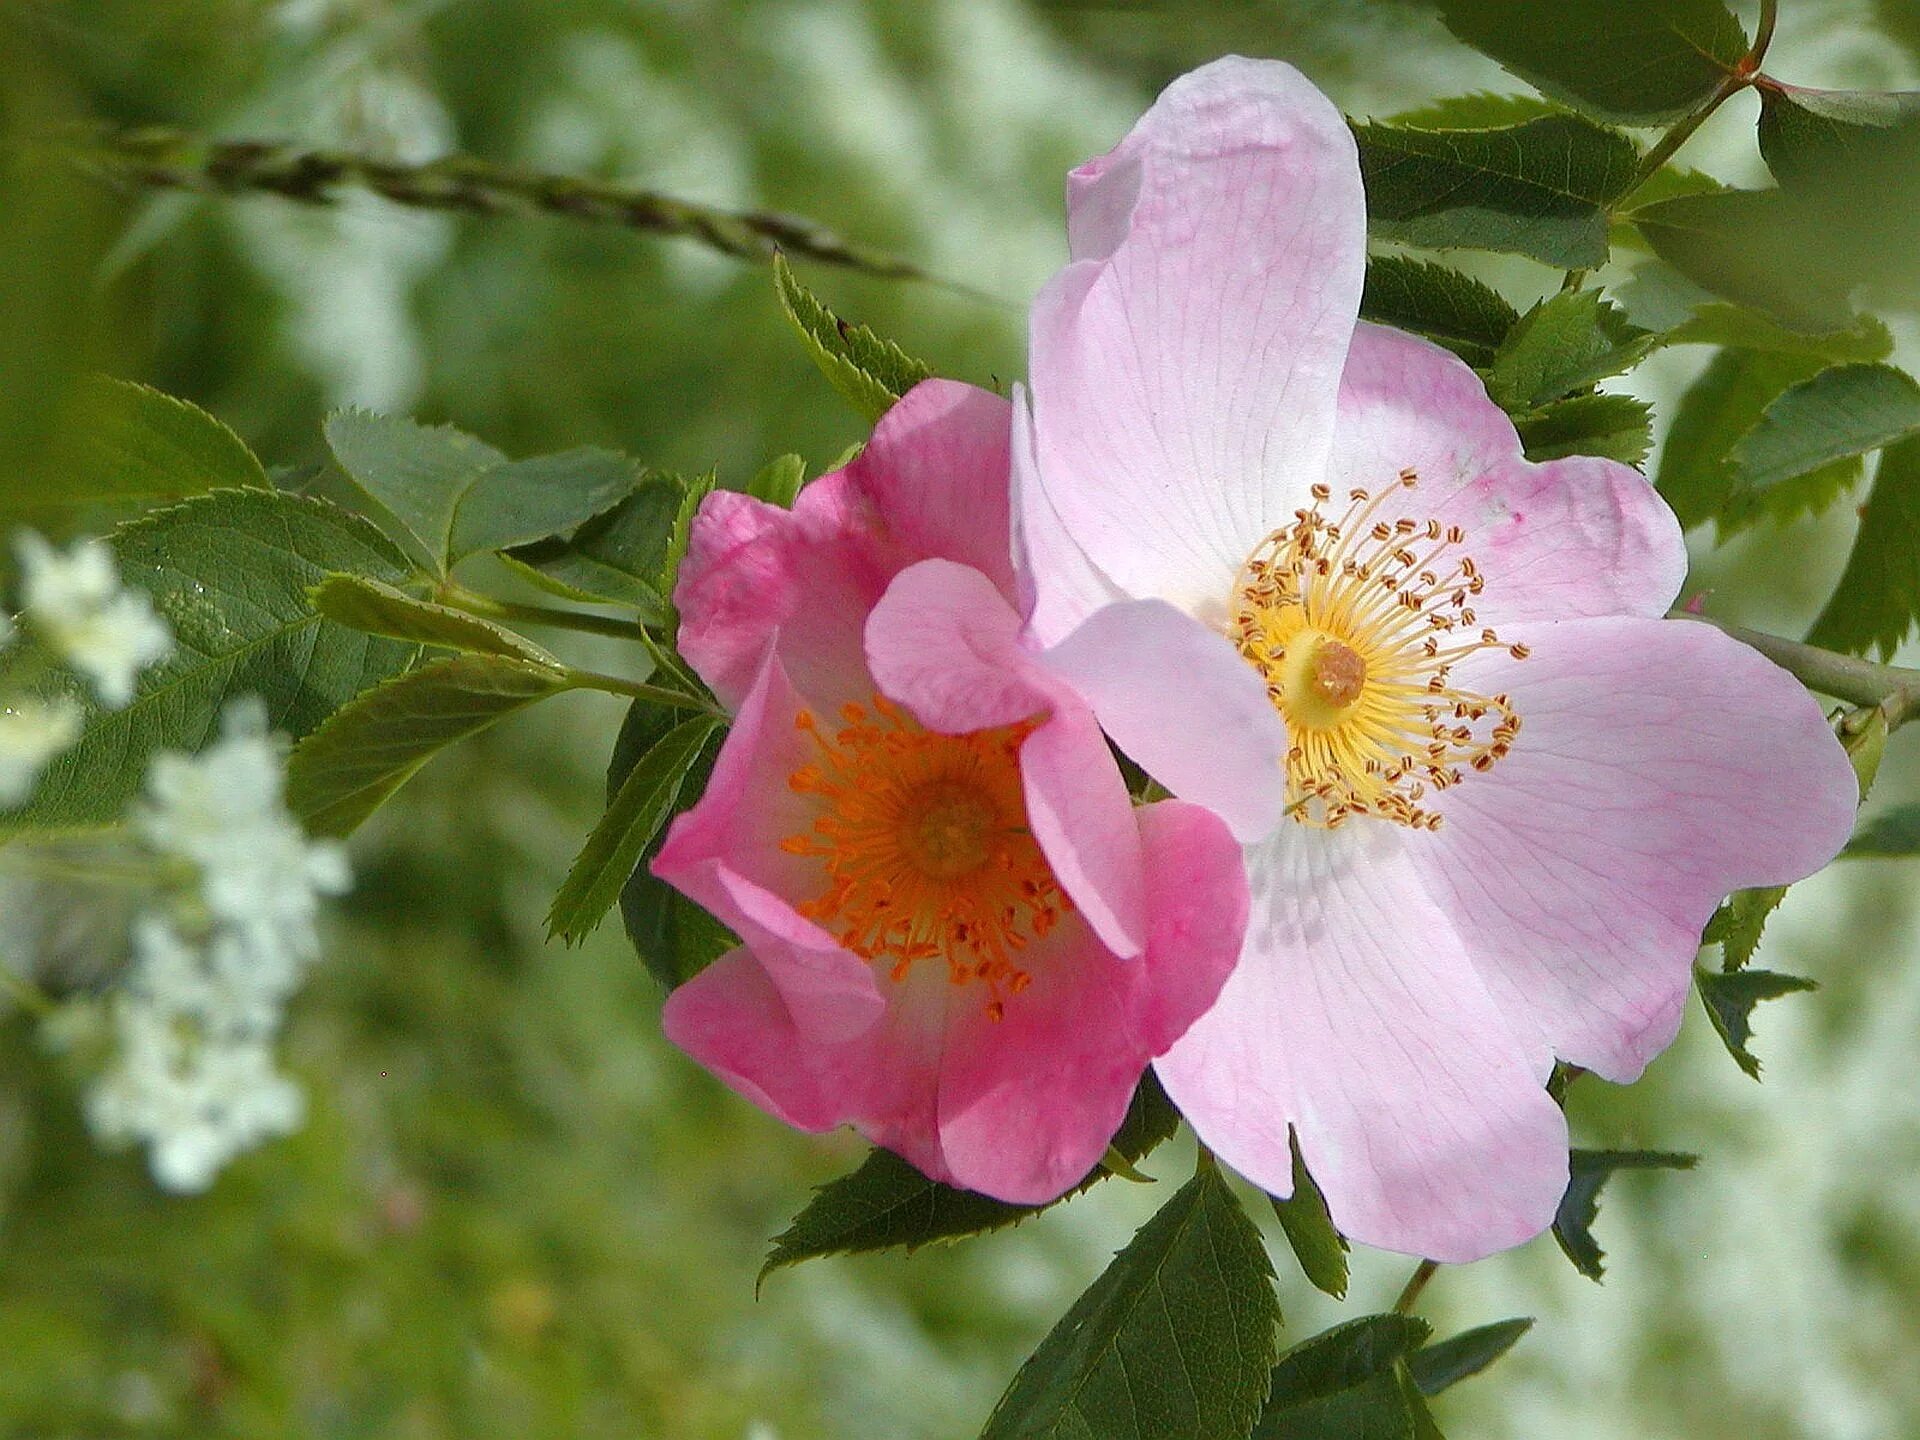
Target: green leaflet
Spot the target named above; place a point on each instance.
(455, 496)
(380, 609)
(1640, 62)
(1616, 427)
(1350, 1383)
(1696, 475)
(1320, 1249)
(617, 558)
(1891, 833)
(230, 571)
(1451, 309)
(1541, 188)
(870, 373)
(1580, 1207)
(1563, 344)
(1175, 1340)
(779, 480)
(1737, 326)
(1760, 248)
(637, 815)
(1877, 601)
(886, 1204)
(352, 765)
(1446, 1363)
(128, 445)
(1730, 996)
(1840, 413)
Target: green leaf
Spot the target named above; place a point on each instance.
(1827, 141)
(1640, 62)
(419, 474)
(1564, 344)
(1840, 413)
(1320, 1249)
(886, 1204)
(1760, 248)
(1540, 189)
(779, 481)
(617, 558)
(1696, 476)
(1446, 1363)
(1580, 1206)
(128, 444)
(1616, 427)
(1720, 323)
(674, 938)
(1877, 601)
(1901, 20)
(681, 535)
(352, 765)
(1349, 1383)
(1737, 925)
(455, 496)
(1174, 1341)
(1482, 110)
(1891, 833)
(230, 571)
(870, 373)
(524, 501)
(1730, 996)
(377, 608)
(637, 816)
(1451, 309)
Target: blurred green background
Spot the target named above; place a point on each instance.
(515, 1211)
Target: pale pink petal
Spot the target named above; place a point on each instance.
(1185, 366)
(933, 481)
(1059, 586)
(1028, 1103)
(935, 472)
(944, 643)
(1179, 699)
(1357, 1017)
(1660, 764)
(1574, 537)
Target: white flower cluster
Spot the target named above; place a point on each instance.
(78, 608)
(194, 1077)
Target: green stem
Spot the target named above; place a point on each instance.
(638, 690)
(1763, 37)
(1416, 1282)
(1895, 689)
(487, 608)
(167, 159)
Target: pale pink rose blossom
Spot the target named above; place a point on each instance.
(958, 935)
(1303, 574)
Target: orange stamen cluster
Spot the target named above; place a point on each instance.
(924, 846)
(1356, 624)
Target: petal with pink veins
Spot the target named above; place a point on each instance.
(1574, 537)
(1185, 366)
(1356, 1016)
(1660, 765)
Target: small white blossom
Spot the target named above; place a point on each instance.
(32, 733)
(194, 1076)
(79, 608)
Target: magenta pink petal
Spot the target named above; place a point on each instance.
(1574, 537)
(1660, 765)
(1357, 1016)
(1185, 367)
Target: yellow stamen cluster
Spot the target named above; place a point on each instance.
(1356, 623)
(925, 848)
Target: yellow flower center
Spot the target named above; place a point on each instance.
(1356, 625)
(925, 848)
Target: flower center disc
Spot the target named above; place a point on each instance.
(1356, 624)
(924, 847)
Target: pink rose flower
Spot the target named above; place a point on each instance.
(1302, 572)
(959, 935)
